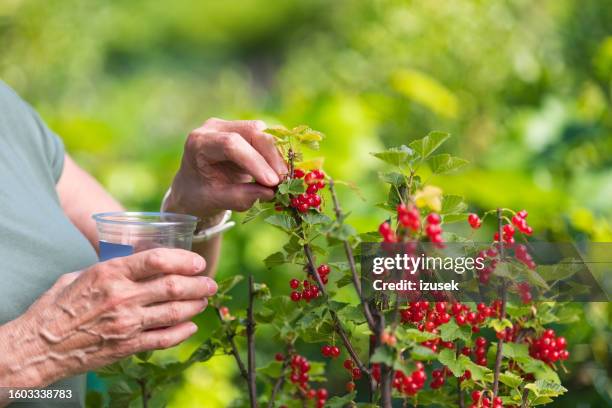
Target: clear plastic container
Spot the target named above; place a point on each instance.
(125, 233)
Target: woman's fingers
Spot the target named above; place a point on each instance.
(171, 313)
(166, 337)
(252, 132)
(241, 197)
(214, 147)
(158, 261)
(175, 287)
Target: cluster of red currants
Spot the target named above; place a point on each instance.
(410, 384)
(479, 400)
(549, 348)
(299, 376)
(387, 232)
(315, 181)
(330, 351)
(474, 221)
(519, 222)
(509, 334)
(521, 253)
(433, 229)
(524, 291)
(309, 290)
(409, 217)
(439, 375)
(478, 353)
(354, 372)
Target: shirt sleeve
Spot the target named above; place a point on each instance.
(53, 146)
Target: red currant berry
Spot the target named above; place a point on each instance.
(350, 386)
(433, 218)
(294, 283)
(303, 207)
(295, 296)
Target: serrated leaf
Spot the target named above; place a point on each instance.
(282, 221)
(293, 186)
(275, 259)
(228, 284)
(344, 281)
(445, 163)
(340, 402)
(205, 351)
(515, 351)
(261, 291)
(422, 353)
(253, 212)
(510, 379)
(543, 388)
(426, 146)
(414, 335)
(452, 204)
(459, 217)
(396, 156)
(457, 365)
(499, 325)
(316, 218)
(539, 369)
(451, 331)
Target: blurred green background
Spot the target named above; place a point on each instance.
(525, 88)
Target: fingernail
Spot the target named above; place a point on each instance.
(193, 328)
(272, 178)
(204, 305)
(198, 263)
(212, 286)
(260, 125)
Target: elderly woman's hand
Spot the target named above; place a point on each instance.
(113, 309)
(220, 161)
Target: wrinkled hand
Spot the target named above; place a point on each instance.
(113, 309)
(220, 161)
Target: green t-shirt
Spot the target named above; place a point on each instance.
(38, 243)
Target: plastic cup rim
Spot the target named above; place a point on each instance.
(178, 219)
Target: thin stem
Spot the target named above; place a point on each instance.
(525, 399)
(348, 250)
(230, 339)
(280, 381)
(250, 329)
(337, 324)
(459, 391)
(502, 311)
(386, 374)
(144, 392)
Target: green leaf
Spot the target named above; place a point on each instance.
(458, 217)
(345, 280)
(422, 353)
(499, 325)
(451, 331)
(261, 291)
(283, 221)
(396, 156)
(228, 284)
(452, 204)
(414, 335)
(515, 351)
(456, 365)
(510, 379)
(427, 145)
(340, 402)
(394, 178)
(539, 369)
(293, 186)
(205, 351)
(272, 369)
(430, 398)
(145, 355)
(384, 355)
(121, 394)
(315, 218)
(445, 163)
(275, 259)
(543, 388)
(255, 211)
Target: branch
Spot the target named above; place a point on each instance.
(386, 373)
(230, 339)
(250, 329)
(459, 392)
(337, 324)
(525, 399)
(502, 311)
(348, 250)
